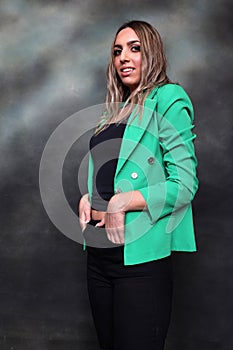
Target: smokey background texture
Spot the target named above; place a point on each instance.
(53, 56)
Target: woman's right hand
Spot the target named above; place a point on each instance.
(84, 211)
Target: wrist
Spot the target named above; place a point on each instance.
(116, 204)
(120, 202)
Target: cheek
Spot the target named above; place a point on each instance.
(116, 63)
(139, 62)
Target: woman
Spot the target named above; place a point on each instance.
(141, 182)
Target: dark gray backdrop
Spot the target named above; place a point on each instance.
(53, 56)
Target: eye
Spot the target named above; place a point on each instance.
(136, 48)
(116, 52)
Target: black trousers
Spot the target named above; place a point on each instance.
(131, 304)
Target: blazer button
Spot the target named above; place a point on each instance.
(151, 160)
(134, 175)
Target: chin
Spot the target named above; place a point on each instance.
(131, 87)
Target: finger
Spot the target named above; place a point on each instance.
(110, 233)
(101, 223)
(110, 236)
(119, 237)
(83, 221)
(83, 225)
(115, 231)
(115, 236)
(87, 216)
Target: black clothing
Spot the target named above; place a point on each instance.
(105, 148)
(131, 305)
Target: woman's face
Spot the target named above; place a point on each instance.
(128, 58)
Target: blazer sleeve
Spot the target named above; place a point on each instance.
(180, 183)
(90, 176)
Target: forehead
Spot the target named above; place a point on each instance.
(125, 35)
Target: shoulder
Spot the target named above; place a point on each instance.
(172, 92)
(172, 95)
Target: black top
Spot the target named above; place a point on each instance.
(105, 148)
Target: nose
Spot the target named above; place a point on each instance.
(124, 56)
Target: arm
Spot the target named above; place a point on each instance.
(175, 120)
(127, 201)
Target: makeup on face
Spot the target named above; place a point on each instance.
(127, 58)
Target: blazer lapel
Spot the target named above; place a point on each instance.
(135, 129)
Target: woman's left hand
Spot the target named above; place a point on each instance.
(114, 220)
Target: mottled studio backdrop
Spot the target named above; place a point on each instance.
(53, 56)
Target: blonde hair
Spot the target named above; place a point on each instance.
(153, 73)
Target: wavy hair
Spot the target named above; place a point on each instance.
(153, 73)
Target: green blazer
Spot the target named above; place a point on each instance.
(157, 158)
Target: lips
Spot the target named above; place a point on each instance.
(125, 71)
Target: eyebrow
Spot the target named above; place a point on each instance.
(128, 43)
